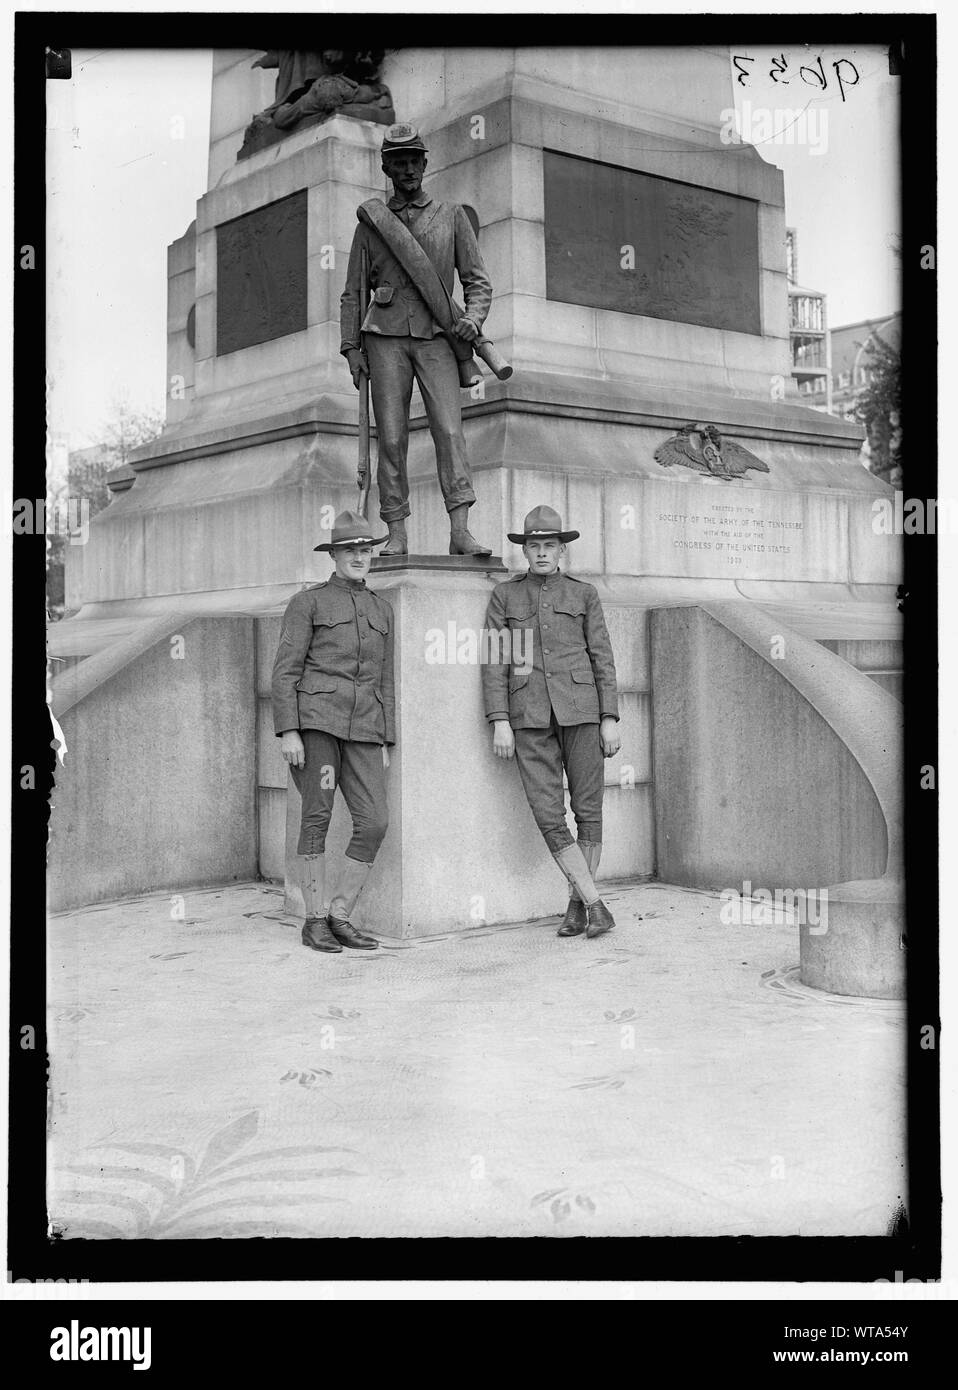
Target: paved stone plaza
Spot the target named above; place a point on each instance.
(210, 1077)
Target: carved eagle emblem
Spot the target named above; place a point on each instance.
(702, 447)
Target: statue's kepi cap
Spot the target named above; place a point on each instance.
(350, 528)
(542, 524)
(401, 138)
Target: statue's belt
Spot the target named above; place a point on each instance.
(420, 269)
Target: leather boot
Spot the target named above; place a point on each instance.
(576, 917)
(355, 873)
(600, 919)
(347, 935)
(461, 541)
(317, 936)
(398, 543)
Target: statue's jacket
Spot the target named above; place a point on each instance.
(397, 308)
(556, 656)
(334, 664)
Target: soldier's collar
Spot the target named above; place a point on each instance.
(397, 204)
(334, 578)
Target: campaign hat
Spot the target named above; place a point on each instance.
(350, 528)
(542, 523)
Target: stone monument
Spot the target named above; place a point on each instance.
(640, 292)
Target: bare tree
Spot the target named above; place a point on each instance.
(88, 472)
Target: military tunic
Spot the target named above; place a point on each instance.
(334, 665)
(558, 621)
(333, 681)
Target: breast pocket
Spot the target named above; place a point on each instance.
(521, 628)
(570, 621)
(334, 640)
(375, 632)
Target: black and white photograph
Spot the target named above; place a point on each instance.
(486, 785)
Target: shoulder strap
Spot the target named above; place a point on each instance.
(400, 241)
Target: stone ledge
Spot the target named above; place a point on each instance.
(545, 393)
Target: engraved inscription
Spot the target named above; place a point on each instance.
(734, 532)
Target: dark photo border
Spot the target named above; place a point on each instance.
(911, 1250)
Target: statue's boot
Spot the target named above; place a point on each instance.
(316, 934)
(355, 873)
(461, 540)
(397, 543)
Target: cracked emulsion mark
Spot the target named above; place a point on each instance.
(309, 1077)
(594, 1083)
(189, 1191)
(560, 1202)
(786, 984)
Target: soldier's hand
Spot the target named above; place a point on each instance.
(358, 366)
(465, 329)
(293, 748)
(503, 739)
(385, 756)
(609, 738)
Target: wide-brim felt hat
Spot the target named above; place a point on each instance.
(400, 138)
(542, 523)
(350, 528)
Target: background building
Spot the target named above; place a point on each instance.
(850, 353)
(808, 333)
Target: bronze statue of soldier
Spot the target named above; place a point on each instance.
(413, 329)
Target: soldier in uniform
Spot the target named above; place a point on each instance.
(551, 698)
(334, 709)
(403, 340)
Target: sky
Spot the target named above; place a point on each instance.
(127, 144)
(127, 147)
(841, 169)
